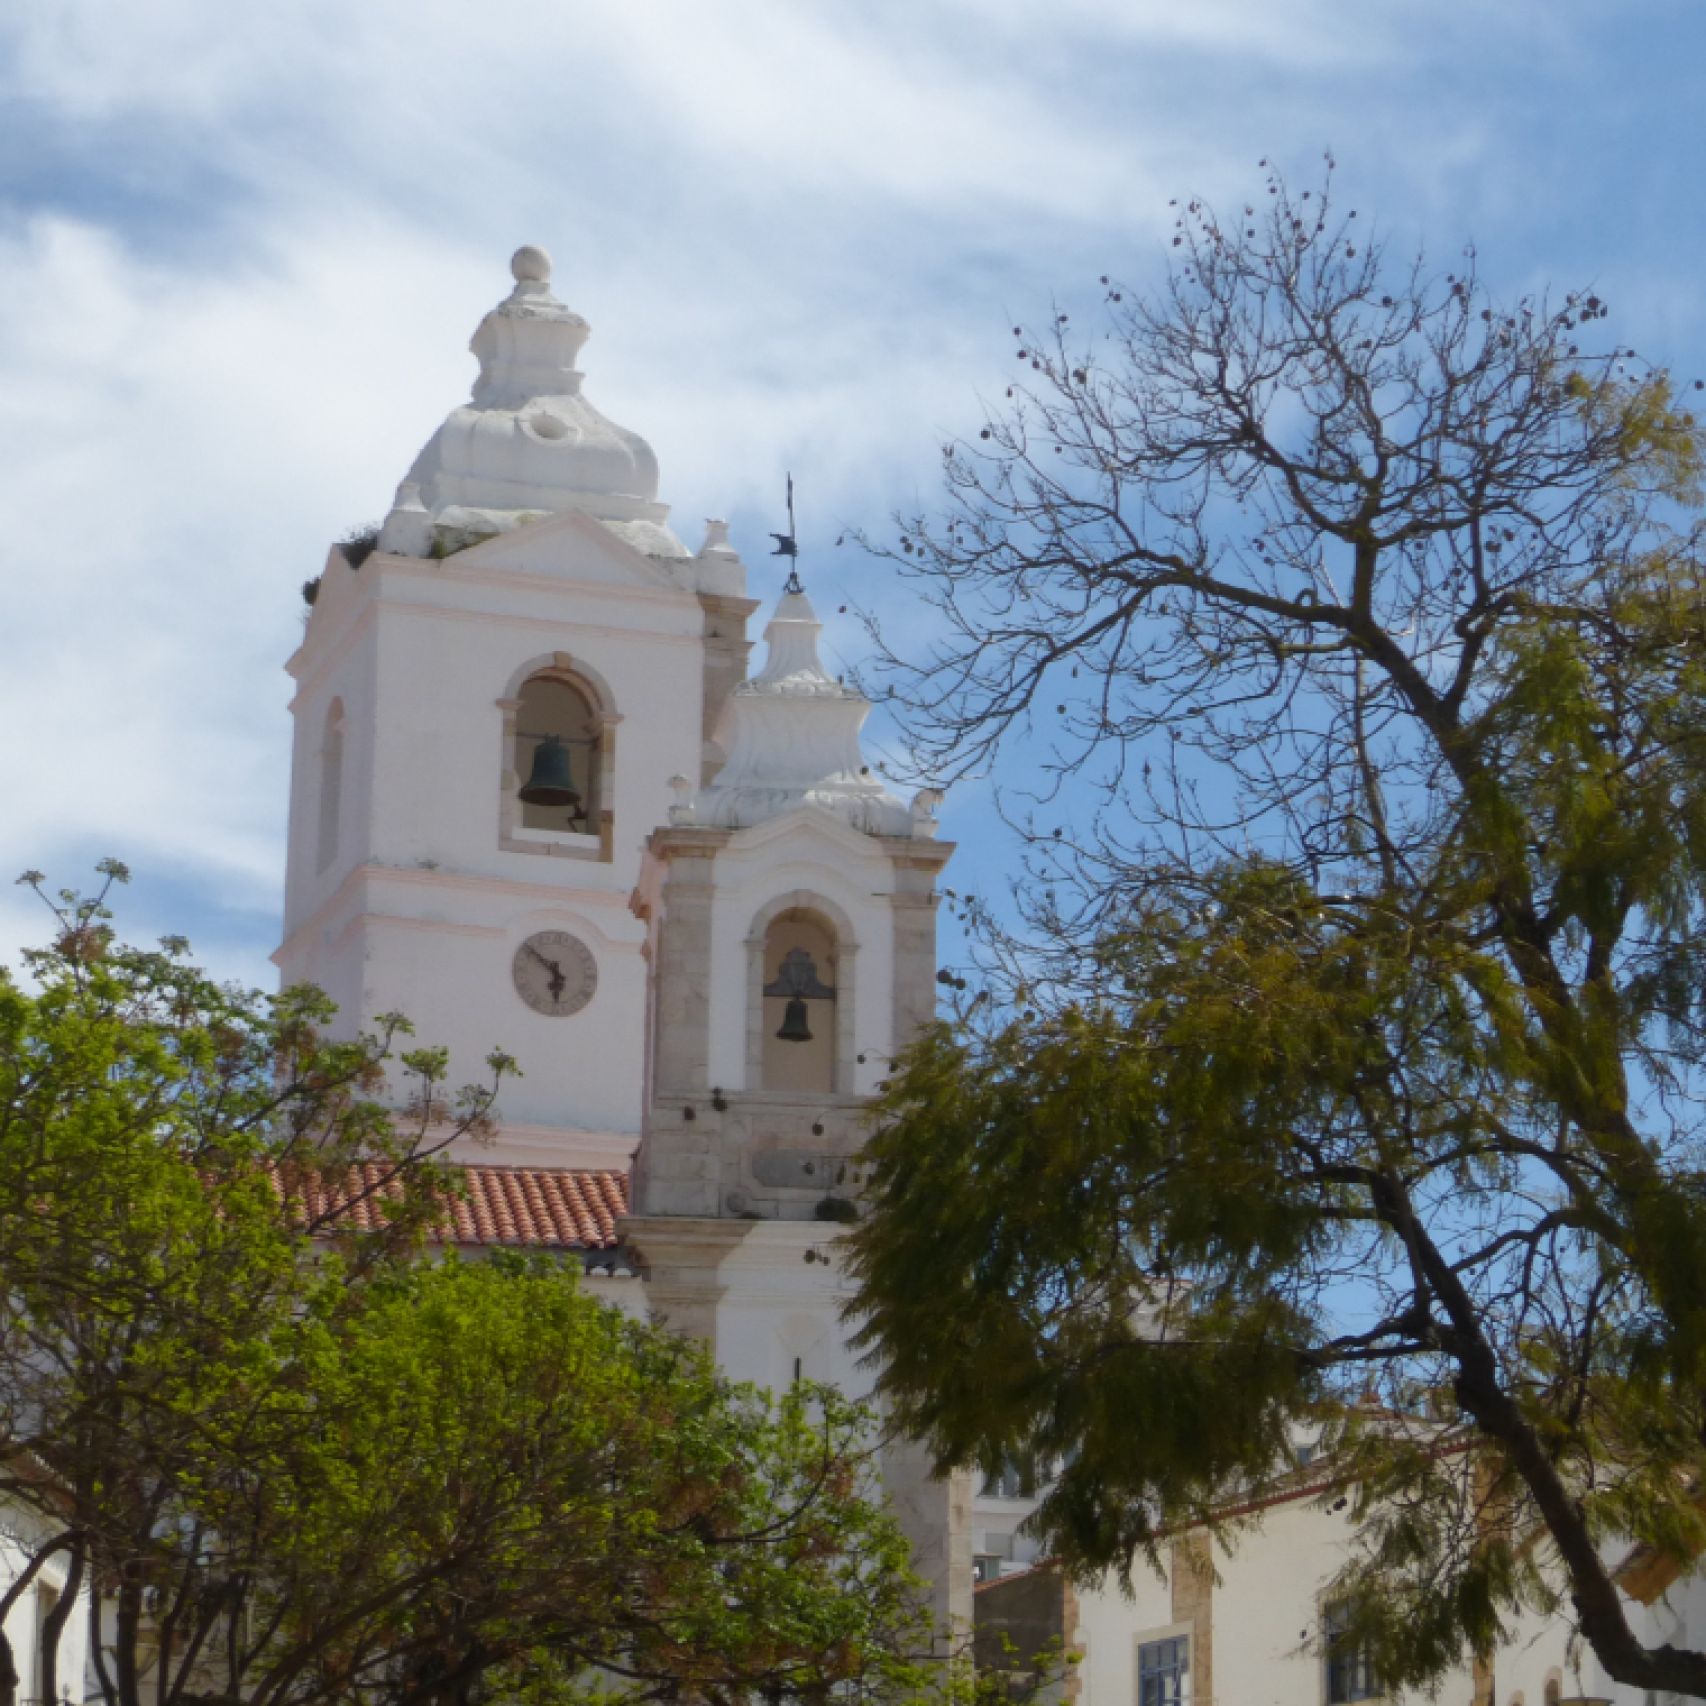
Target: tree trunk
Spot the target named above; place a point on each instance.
(8, 1673)
(97, 1650)
(53, 1625)
(125, 1636)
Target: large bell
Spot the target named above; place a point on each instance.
(794, 1027)
(551, 783)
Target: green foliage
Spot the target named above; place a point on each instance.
(359, 543)
(1351, 1065)
(302, 1463)
(573, 1492)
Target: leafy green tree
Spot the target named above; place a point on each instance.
(1346, 1068)
(147, 1119)
(503, 1484)
(295, 1462)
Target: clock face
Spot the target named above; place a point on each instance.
(555, 973)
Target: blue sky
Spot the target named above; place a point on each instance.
(242, 250)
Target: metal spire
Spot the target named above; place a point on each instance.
(788, 545)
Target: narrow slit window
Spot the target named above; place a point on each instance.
(330, 816)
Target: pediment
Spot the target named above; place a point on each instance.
(575, 547)
(806, 826)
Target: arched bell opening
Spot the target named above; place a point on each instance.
(799, 1020)
(556, 757)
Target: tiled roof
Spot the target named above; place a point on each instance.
(537, 1208)
(558, 1207)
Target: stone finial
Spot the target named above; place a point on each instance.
(924, 804)
(792, 667)
(718, 567)
(530, 265)
(408, 528)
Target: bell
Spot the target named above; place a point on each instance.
(551, 783)
(794, 1027)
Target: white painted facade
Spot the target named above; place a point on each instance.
(1266, 1623)
(1001, 1544)
(411, 883)
(1253, 1624)
(422, 907)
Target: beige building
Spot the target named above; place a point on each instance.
(1245, 1623)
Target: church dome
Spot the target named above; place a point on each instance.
(527, 442)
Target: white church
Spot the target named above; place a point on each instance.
(540, 803)
(544, 800)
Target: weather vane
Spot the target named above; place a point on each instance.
(788, 545)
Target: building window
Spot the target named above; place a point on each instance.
(1164, 1672)
(1350, 1669)
(330, 826)
(557, 759)
(985, 1567)
(799, 1016)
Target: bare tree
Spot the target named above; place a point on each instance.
(1351, 625)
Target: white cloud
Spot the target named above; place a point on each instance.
(239, 298)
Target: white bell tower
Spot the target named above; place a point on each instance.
(791, 908)
(526, 610)
(536, 806)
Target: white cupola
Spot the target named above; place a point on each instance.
(791, 733)
(527, 443)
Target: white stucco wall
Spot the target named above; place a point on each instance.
(624, 1292)
(778, 1306)
(1266, 1609)
(811, 854)
(998, 1526)
(423, 908)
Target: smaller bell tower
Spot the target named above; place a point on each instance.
(790, 908)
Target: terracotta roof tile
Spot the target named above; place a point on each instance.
(538, 1208)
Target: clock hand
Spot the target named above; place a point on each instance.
(557, 982)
